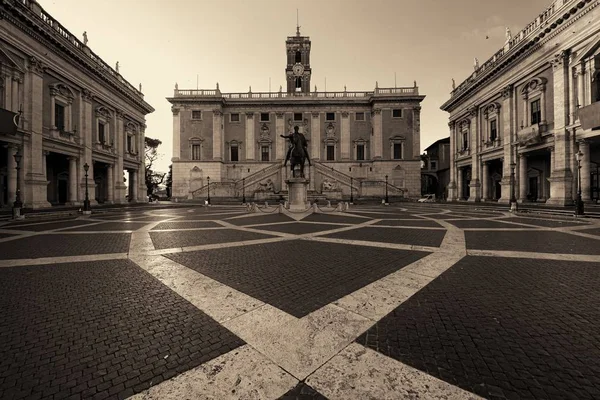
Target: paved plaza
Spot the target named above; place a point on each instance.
(415, 301)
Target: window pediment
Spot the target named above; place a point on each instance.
(103, 112)
(397, 138)
(491, 109)
(62, 91)
(196, 139)
(534, 86)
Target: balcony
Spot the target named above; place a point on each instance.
(492, 144)
(589, 116)
(216, 93)
(463, 153)
(531, 135)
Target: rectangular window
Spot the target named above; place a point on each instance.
(465, 140)
(297, 116)
(493, 130)
(434, 165)
(264, 151)
(330, 116)
(101, 133)
(360, 152)
(264, 117)
(536, 112)
(129, 143)
(195, 152)
(59, 117)
(397, 113)
(397, 151)
(234, 153)
(359, 116)
(235, 117)
(330, 152)
(196, 114)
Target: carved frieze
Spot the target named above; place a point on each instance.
(316, 114)
(507, 91)
(175, 110)
(330, 130)
(87, 95)
(249, 115)
(217, 113)
(345, 114)
(473, 110)
(279, 114)
(265, 132)
(376, 111)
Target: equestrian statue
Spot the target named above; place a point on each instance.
(298, 151)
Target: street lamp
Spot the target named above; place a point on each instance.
(351, 192)
(513, 199)
(579, 206)
(18, 204)
(387, 200)
(208, 197)
(86, 203)
(243, 190)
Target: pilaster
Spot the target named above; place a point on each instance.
(452, 189)
(315, 132)
(522, 178)
(118, 184)
(584, 147)
(345, 136)
(416, 133)
(508, 117)
(217, 135)
(280, 150)
(474, 186)
(377, 134)
(176, 133)
(250, 146)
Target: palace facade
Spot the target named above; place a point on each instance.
(533, 109)
(71, 109)
(355, 139)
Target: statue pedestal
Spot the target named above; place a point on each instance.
(297, 189)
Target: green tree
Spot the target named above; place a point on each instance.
(169, 181)
(153, 178)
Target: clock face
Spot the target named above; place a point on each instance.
(298, 69)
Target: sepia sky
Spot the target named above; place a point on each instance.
(241, 43)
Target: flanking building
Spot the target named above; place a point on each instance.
(355, 139)
(435, 169)
(532, 108)
(71, 109)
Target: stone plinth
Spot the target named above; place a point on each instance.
(297, 189)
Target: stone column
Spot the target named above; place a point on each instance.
(507, 140)
(15, 93)
(543, 101)
(345, 136)
(111, 184)
(72, 180)
(133, 185)
(34, 188)
(522, 178)
(7, 89)
(580, 86)
(572, 97)
(44, 163)
(561, 182)
(416, 150)
(474, 186)
(280, 143)
(217, 136)
(250, 142)
(377, 134)
(452, 195)
(485, 184)
(176, 133)
(315, 132)
(459, 183)
(11, 171)
(584, 147)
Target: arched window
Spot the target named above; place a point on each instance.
(298, 57)
(298, 84)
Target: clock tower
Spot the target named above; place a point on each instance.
(297, 71)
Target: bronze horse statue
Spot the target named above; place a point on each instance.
(297, 153)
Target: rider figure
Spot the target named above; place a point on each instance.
(293, 139)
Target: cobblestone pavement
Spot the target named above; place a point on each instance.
(411, 301)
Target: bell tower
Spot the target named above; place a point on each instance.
(297, 71)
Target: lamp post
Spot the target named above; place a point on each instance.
(387, 200)
(208, 197)
(351, 192)
(579, 202)
(513, 200)
(86, 203)
(18, 204)
(243, 190)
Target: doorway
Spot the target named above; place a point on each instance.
(533, 189)
(63, 185)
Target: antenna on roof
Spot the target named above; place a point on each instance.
(297, 24)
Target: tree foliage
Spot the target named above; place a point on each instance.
(169, 181)
(153, 178)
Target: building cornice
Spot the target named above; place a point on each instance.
(544, 31)
(52, 35)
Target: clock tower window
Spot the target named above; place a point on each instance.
(298, 84)
(298, 57)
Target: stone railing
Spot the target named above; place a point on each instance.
(530, 135)
(39, 12)
(492, 144)
(554, 10)
(259, 175)
(215, 93)
(335, 174)
(463, 153)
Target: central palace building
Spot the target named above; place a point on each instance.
(532, 109)
(355, 139)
